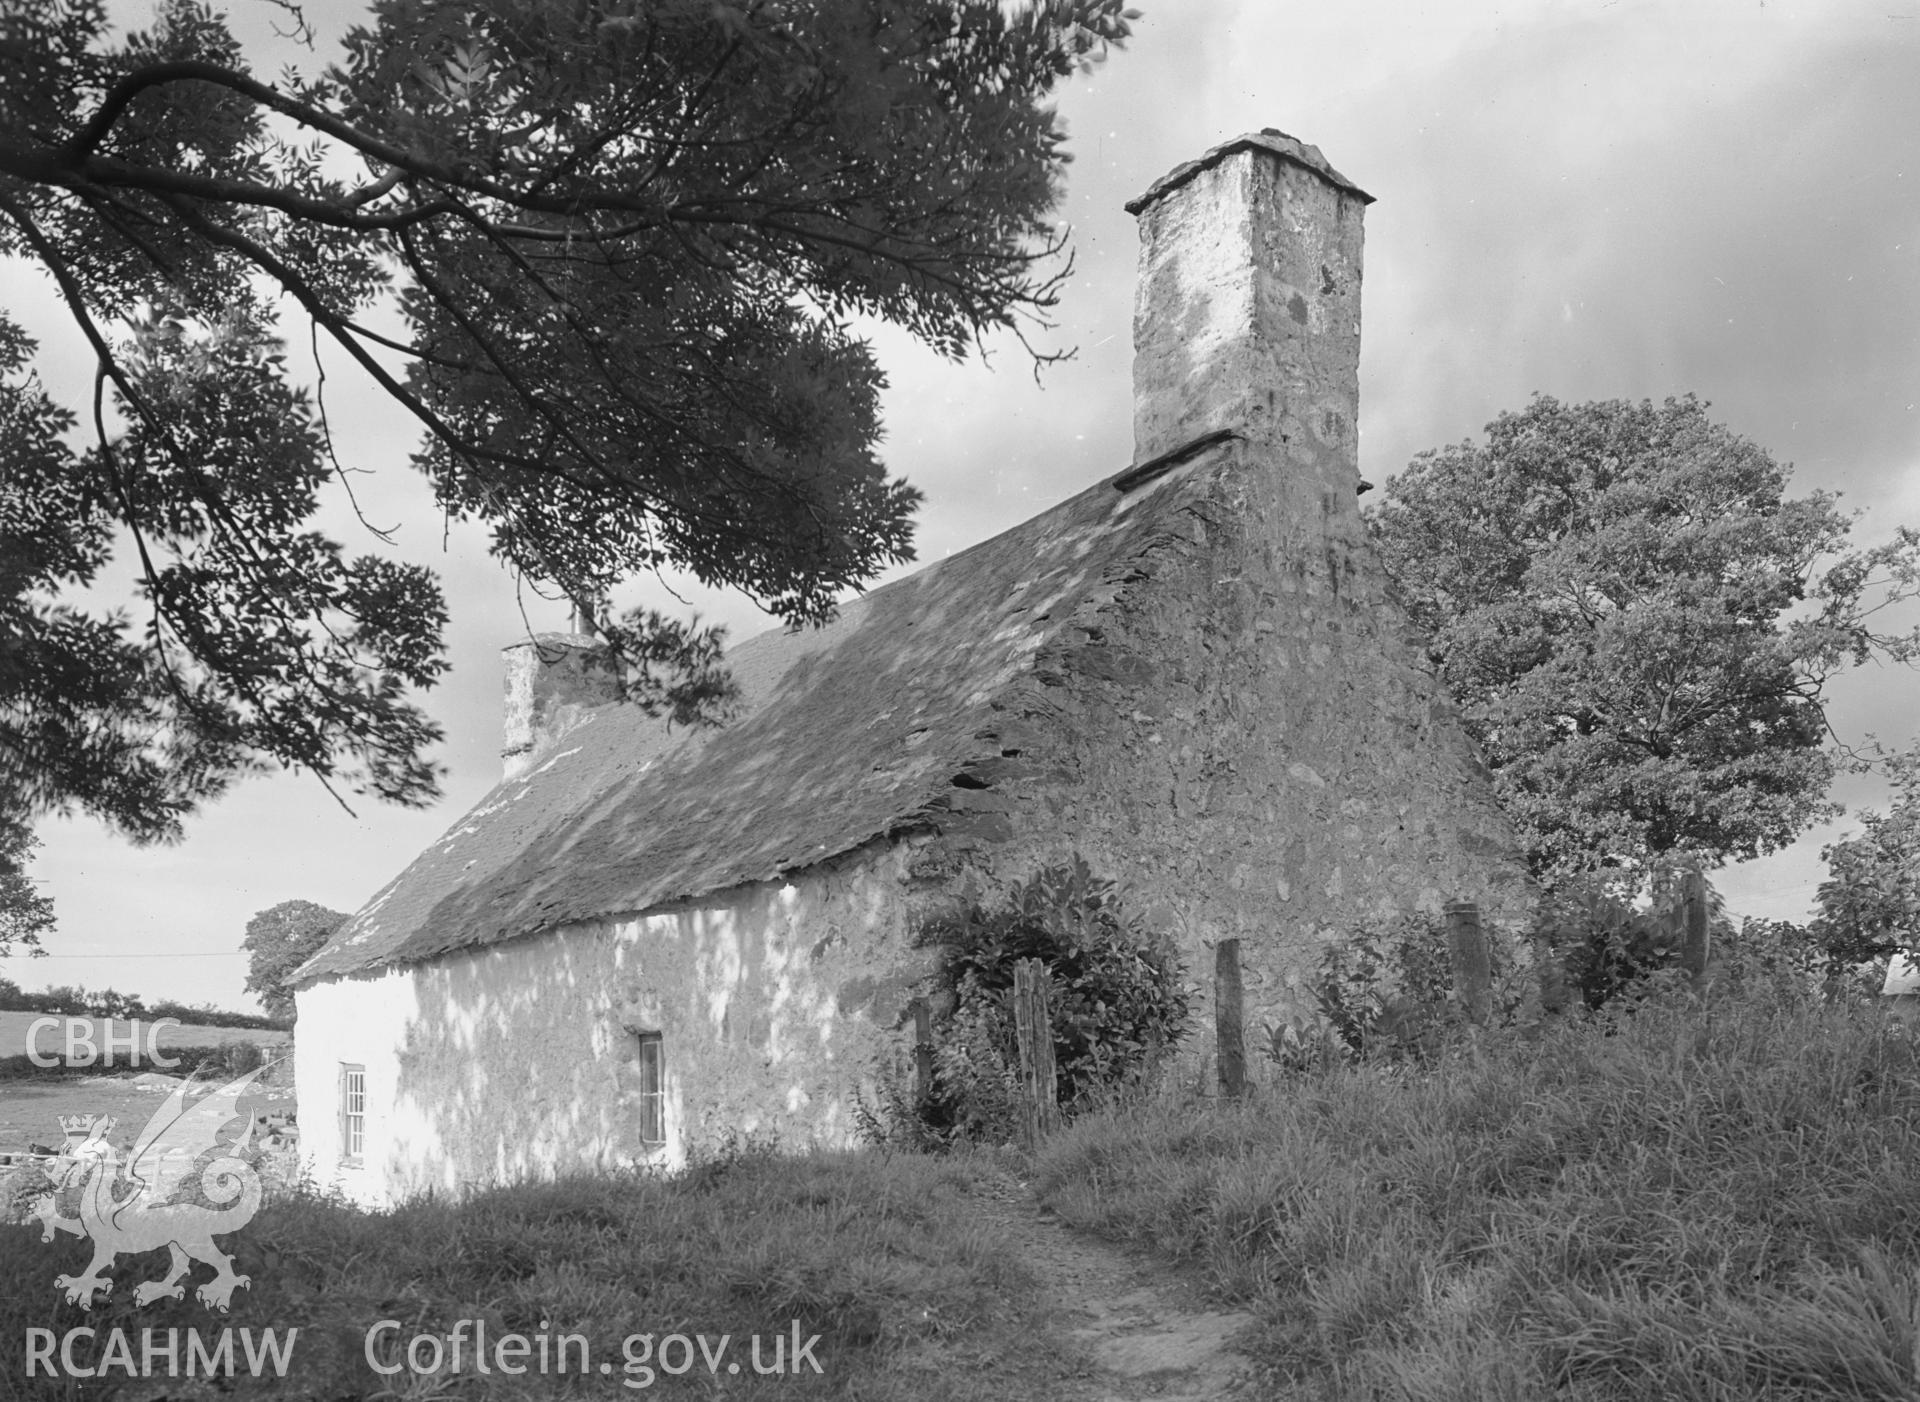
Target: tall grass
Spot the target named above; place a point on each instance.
(884, 1259)
(1683, 1202)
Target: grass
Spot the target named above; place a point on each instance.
(1716, 1203)
(881, 1257)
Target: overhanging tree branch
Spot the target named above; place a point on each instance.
(625, 246)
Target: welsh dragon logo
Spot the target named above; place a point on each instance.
(160, 1197)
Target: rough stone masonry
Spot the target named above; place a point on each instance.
(1249, 734)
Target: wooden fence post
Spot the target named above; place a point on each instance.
(1472, 971)
(922, 1050)
(1229, 1016)
(1033, 1029)
(1693, 948)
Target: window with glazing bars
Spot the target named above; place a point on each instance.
(353, 1112)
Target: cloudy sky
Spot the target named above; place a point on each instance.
(1595, 199)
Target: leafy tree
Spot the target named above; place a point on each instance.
(279, 940)
(625, 243)
(25, 914)
(110, 1003)
(1870, 901)
(64, 1000)
(1638, 624)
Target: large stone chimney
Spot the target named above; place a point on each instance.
(1247, 317)
(553, 680)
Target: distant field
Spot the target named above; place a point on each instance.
(51, 1040)
(30, 1111)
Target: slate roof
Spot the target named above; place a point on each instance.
(844, 733)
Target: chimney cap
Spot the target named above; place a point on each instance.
(1269, 139)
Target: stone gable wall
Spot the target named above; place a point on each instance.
(1245, 737)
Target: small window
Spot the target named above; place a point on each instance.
(353, 1112)
(652, 1088)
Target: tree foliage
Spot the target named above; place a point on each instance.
(25, 914)
(625, 243)
(279, 940)
(1387, 989)
(1870, 901)
(1638, 624)
(71, 1000)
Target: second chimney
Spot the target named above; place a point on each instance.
(1247, 316)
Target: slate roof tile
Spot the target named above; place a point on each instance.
(844, 733)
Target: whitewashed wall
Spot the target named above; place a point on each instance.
(776, 1002)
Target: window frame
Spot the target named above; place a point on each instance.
(353, 1117)
(650, 1068)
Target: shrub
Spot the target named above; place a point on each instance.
(243, 1057)
(1388, 990)
(1792, 963)
(225, 1061)
(1117, 999)
(713, 1158)
(1603, 945)
(206, 1015)
(1607, 944)
(206, 1061)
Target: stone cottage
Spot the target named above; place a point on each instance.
(1191, 674)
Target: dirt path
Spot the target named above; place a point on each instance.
(1142, 1329)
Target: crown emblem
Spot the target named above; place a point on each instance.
(79, 1128)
